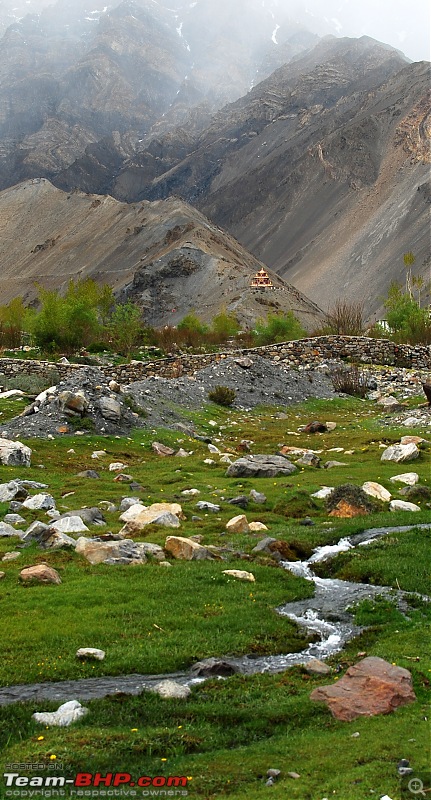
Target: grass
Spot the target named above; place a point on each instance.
(148, 619)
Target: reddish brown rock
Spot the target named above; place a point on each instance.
(370, 687)
(346, 510)
(40, 573)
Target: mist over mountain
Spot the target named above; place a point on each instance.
(309, 146)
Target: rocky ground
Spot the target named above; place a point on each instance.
(88, 402)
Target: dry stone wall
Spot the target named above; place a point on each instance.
(310, 351)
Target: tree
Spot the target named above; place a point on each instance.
(124, 327)
(409, 259)
(224, 325)
(13, 322)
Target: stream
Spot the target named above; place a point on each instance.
(325, 614)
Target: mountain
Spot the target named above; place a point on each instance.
(78, 73)
(322, 170)
(165, 255)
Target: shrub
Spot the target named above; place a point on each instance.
(407, 320)
(350, 380)
(222, 395)
(278, 328)
(345, 318)
(224, 326)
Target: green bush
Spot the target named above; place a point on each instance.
(222, 395)
(278, 328)
(406, 319)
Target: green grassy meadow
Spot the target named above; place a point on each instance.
(153, 620)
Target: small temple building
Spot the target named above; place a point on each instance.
(262, 280)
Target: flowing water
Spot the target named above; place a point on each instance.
(324, 614)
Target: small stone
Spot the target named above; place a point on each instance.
(88, 473)
(374, 489)
(11, 556)
(309, 460)
(323, 493)
(238, 524)
(2, 575)
(273, 773)
(257, 526)
(7, 530)
(213, 666)
(90, 653)
(203, 505)
(190, 492)
(294, 775)
(389, 404)
(116, 466)
(14, 454)
(63, 717)
(162, 450)
(409, 478)
(403, 505)
(257, 497)
(316, 667)
(240, 575)
(172, 690)
(40, 573)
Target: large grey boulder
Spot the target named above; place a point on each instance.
(72, 524)
(7, 530)
(51, 539)
(12, 491)
(40, 502)
(75, 402)
(110, 409)
(400, 453)
(89, 516)
(14, 454)
(260, 466)
(124, 551)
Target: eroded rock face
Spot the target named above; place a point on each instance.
(371, 687)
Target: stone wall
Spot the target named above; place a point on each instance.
(291, 354)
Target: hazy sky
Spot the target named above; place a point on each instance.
(403, 24)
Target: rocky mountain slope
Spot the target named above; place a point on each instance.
(80, 72)
(165, 255)
(322, 170)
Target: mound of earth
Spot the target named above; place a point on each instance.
(86, 402)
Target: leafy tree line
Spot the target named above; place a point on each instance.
(88, 316)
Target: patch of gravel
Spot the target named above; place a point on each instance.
(160, 401)
(263, 383)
